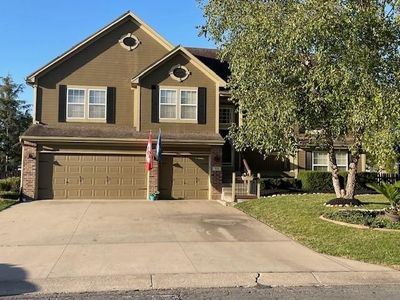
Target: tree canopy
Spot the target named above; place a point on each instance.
(328, 67)
(15, 118)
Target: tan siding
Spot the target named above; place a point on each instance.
(104, 63)
(160, 76)
(302, 160)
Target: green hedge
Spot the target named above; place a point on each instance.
(9, 195)
(280, 184)
(321, 182)
(10, 184)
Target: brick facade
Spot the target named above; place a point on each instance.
(153, 187)
(29, 171)
(216, 173)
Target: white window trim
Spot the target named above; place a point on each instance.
(86, 104)
(179, 104)
(171, 73)
(96, 104)
(129, 35)
(327, 165)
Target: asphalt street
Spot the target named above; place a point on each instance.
(386, 292)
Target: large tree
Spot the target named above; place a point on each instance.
(15, 118)
(329, 67)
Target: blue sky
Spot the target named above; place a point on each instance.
(36, 31)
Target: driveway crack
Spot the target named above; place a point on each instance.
(69, 240)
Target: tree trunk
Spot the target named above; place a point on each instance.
(335, 173)
(351, 177)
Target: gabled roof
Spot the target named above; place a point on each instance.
(197, 62)
(210, 58)
(31, 78)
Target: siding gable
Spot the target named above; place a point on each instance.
(103, 63)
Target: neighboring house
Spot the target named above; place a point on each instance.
(94, 107)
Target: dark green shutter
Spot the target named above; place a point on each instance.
(62, 103)
(155, 103)
(308, 160)
(38, 108)
(111, 104)
(202, 106)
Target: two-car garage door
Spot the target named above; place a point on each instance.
(96, 176)
(73, 176)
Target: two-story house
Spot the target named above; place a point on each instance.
(95, 104)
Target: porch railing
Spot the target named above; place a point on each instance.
(246, 185)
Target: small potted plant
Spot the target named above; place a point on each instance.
(392, 193)
(154, 196)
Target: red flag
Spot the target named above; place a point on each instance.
(149, 153)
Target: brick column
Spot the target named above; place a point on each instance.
(216, 172)
(29, 170)
(154, 178)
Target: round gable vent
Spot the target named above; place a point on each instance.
(179, 73)
(129, 42)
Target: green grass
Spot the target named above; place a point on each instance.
(298, 217)
(5, 204)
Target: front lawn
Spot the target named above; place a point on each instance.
(298, 217)
(5, 203)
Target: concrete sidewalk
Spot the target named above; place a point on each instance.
(76, 246)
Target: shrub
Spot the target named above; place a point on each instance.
(317, 182)
(321, 182)
(373, 219)
(10, 184)
(280, 183)
(9, 195)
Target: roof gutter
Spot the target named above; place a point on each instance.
(141, 141)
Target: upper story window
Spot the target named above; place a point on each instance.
(178, 104)
(179, 73)
(129, 41)
(320, 161)
(226, 116)
(86, 104)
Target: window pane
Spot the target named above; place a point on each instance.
(320, 158)
(97, 111)
(342, 169)
(189, 97)
(97, 97)
(188, 112)
(168, 97)
(76, 96)
(76, 111)
(320, 168)
(168, 111)
(341, 159)
(225, 115)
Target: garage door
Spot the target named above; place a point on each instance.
(184, 177)
(74, 176)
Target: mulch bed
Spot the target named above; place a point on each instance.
(343, 202)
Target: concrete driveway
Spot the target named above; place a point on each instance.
(48, 246)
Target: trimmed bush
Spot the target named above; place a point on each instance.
(10, 184)
(316, 182)
(321, 182)
(280, 184)
(9, 195)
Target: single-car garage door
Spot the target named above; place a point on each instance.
(76, 176)
(184, 177)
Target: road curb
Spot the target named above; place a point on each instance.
(195, 280)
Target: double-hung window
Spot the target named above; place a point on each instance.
(178, 104)
(320, 161)
(86, 104)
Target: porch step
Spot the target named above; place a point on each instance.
(227, 194)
